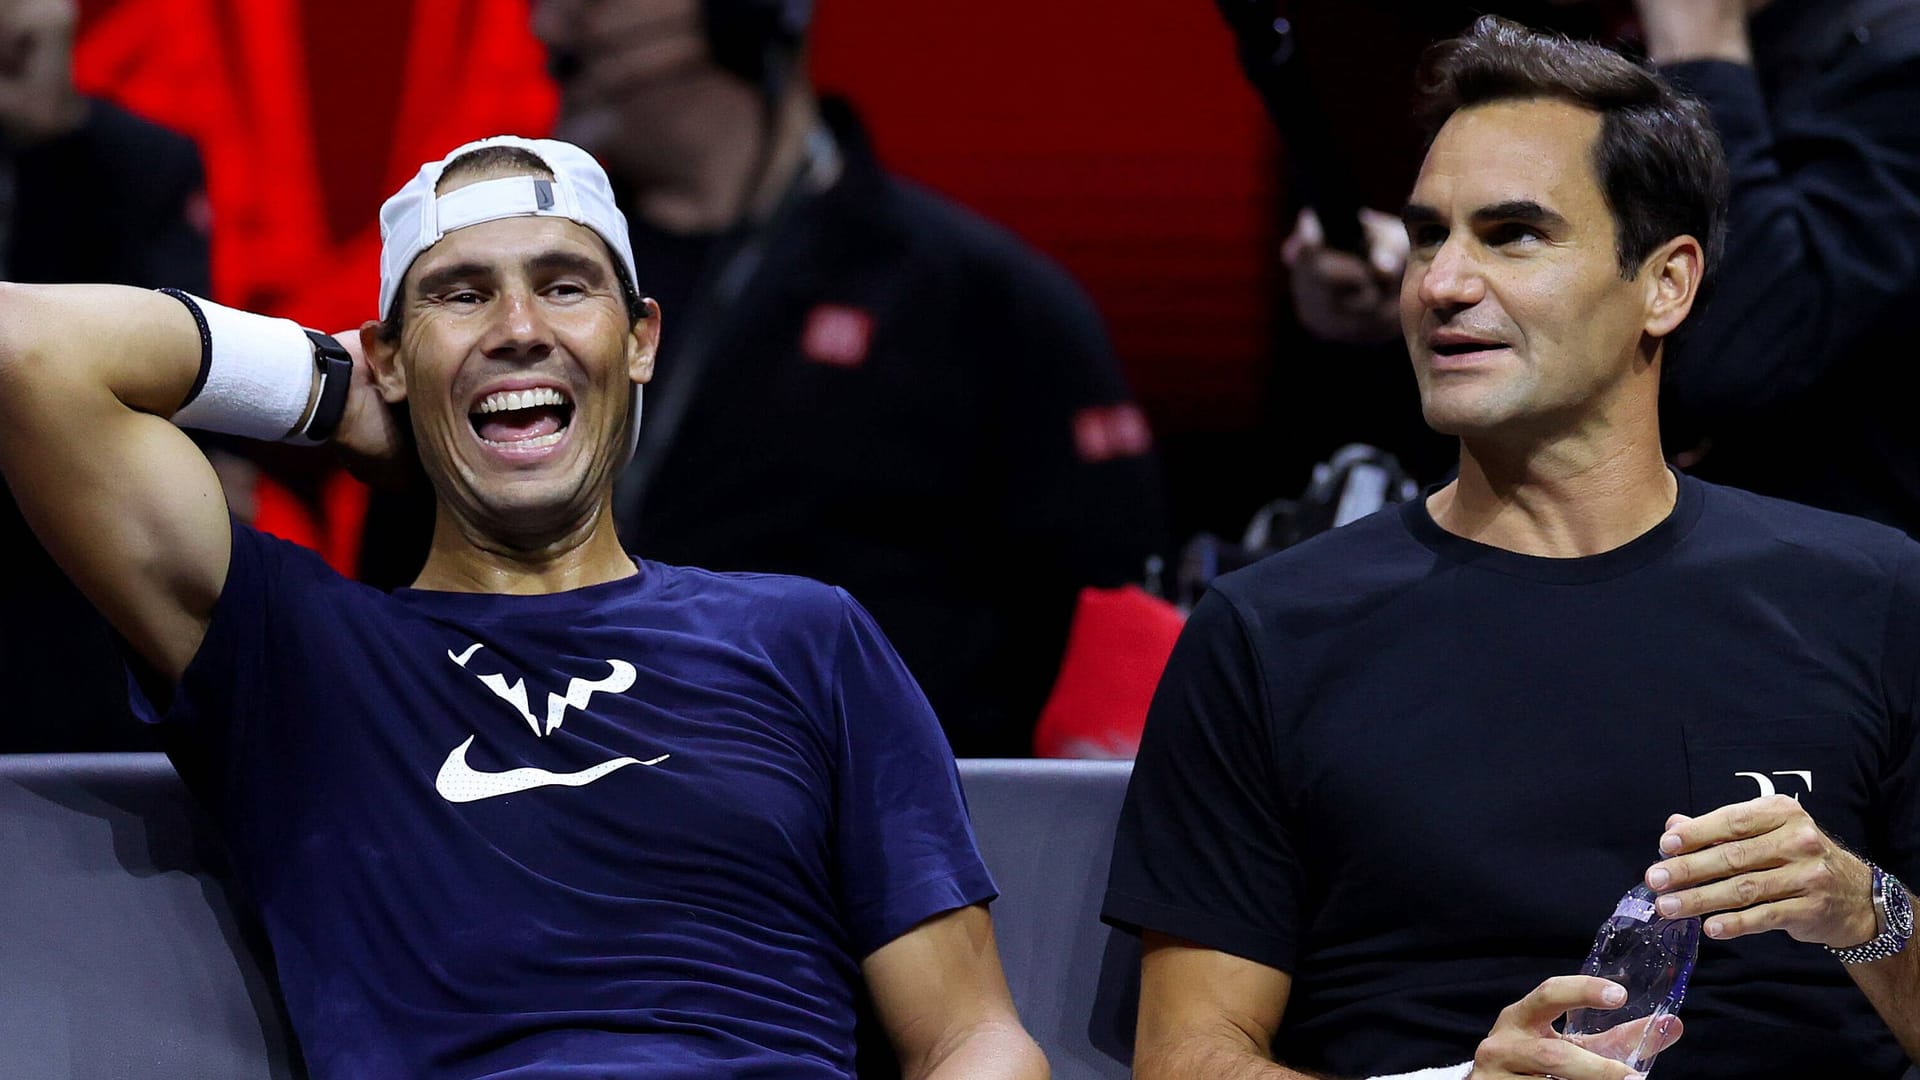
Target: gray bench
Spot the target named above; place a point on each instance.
(125, 956)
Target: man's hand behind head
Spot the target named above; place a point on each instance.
(370, 440)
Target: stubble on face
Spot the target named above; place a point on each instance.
(1517, 317)
(506, 304)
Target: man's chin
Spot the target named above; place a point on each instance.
(527, 522)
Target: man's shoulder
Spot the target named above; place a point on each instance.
(268, 559)
(755, 593)
(1748, 528)
(1330, 576)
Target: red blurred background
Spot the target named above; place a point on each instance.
(1117, 137)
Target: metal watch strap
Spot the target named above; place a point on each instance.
(1893, 911)
(335, 367)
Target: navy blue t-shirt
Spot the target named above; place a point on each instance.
(1416, 772)
(648, 827)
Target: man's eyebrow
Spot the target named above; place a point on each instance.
(568, 262)
(437, 280)
(1418, 214)
(1524, 211)
(547, 262)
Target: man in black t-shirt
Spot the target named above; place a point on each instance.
(1394, 777)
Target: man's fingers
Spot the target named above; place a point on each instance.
(1639, 1039)
(1736, 821)
(1342, 274)
(1307, 228)
(1743, 891)
(1547, 1002)
(1785, 834)
(1510, 1053)
(1386, 243)
(1763, 865)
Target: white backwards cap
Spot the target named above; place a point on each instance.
(415, 219)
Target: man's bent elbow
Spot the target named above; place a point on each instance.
(1000, 1049)
(17, 336)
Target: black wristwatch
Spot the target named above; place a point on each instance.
(1893, 915)
(335, 368)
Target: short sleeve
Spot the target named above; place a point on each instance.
(1204, 851)
(204, 715)
(1900, 821)
(905, 850)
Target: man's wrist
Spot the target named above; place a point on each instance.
(333, 372)
(263, 378)
(1893, 922)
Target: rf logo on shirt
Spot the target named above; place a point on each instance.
(1768, 787)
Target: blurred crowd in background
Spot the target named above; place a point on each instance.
(1017, 321)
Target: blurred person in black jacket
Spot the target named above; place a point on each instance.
(1799, 378)
(88, 192)
(859, 381)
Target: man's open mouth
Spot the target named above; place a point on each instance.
(1466, 348)
(522, 419)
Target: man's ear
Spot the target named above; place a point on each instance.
(1673, 274)
(383, 363)
(643, 342)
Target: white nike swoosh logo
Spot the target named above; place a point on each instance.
(460, 782)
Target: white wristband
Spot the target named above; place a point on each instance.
(256, 373)
(1443, 1072)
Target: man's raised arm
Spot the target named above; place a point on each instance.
(122, 499)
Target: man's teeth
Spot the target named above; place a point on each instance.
(521, 444)
(510, 400)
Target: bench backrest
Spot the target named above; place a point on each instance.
(124, 954)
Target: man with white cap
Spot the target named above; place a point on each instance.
(550, 810)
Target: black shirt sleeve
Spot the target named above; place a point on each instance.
(1821, 228)
(1205, 850)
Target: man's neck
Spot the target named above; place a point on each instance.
(730, 174)
(1561, 502)
(460, 561)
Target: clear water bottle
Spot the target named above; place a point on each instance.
(1652, 957)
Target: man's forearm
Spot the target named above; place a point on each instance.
(1200, 1057)
(988, 1051)
(141, 346)
(1893, 986)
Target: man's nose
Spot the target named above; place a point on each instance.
(520, 328)
(1451, 279)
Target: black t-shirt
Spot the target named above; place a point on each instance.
(1416, 772)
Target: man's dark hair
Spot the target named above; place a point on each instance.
(1658, 162)
(490, 162)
